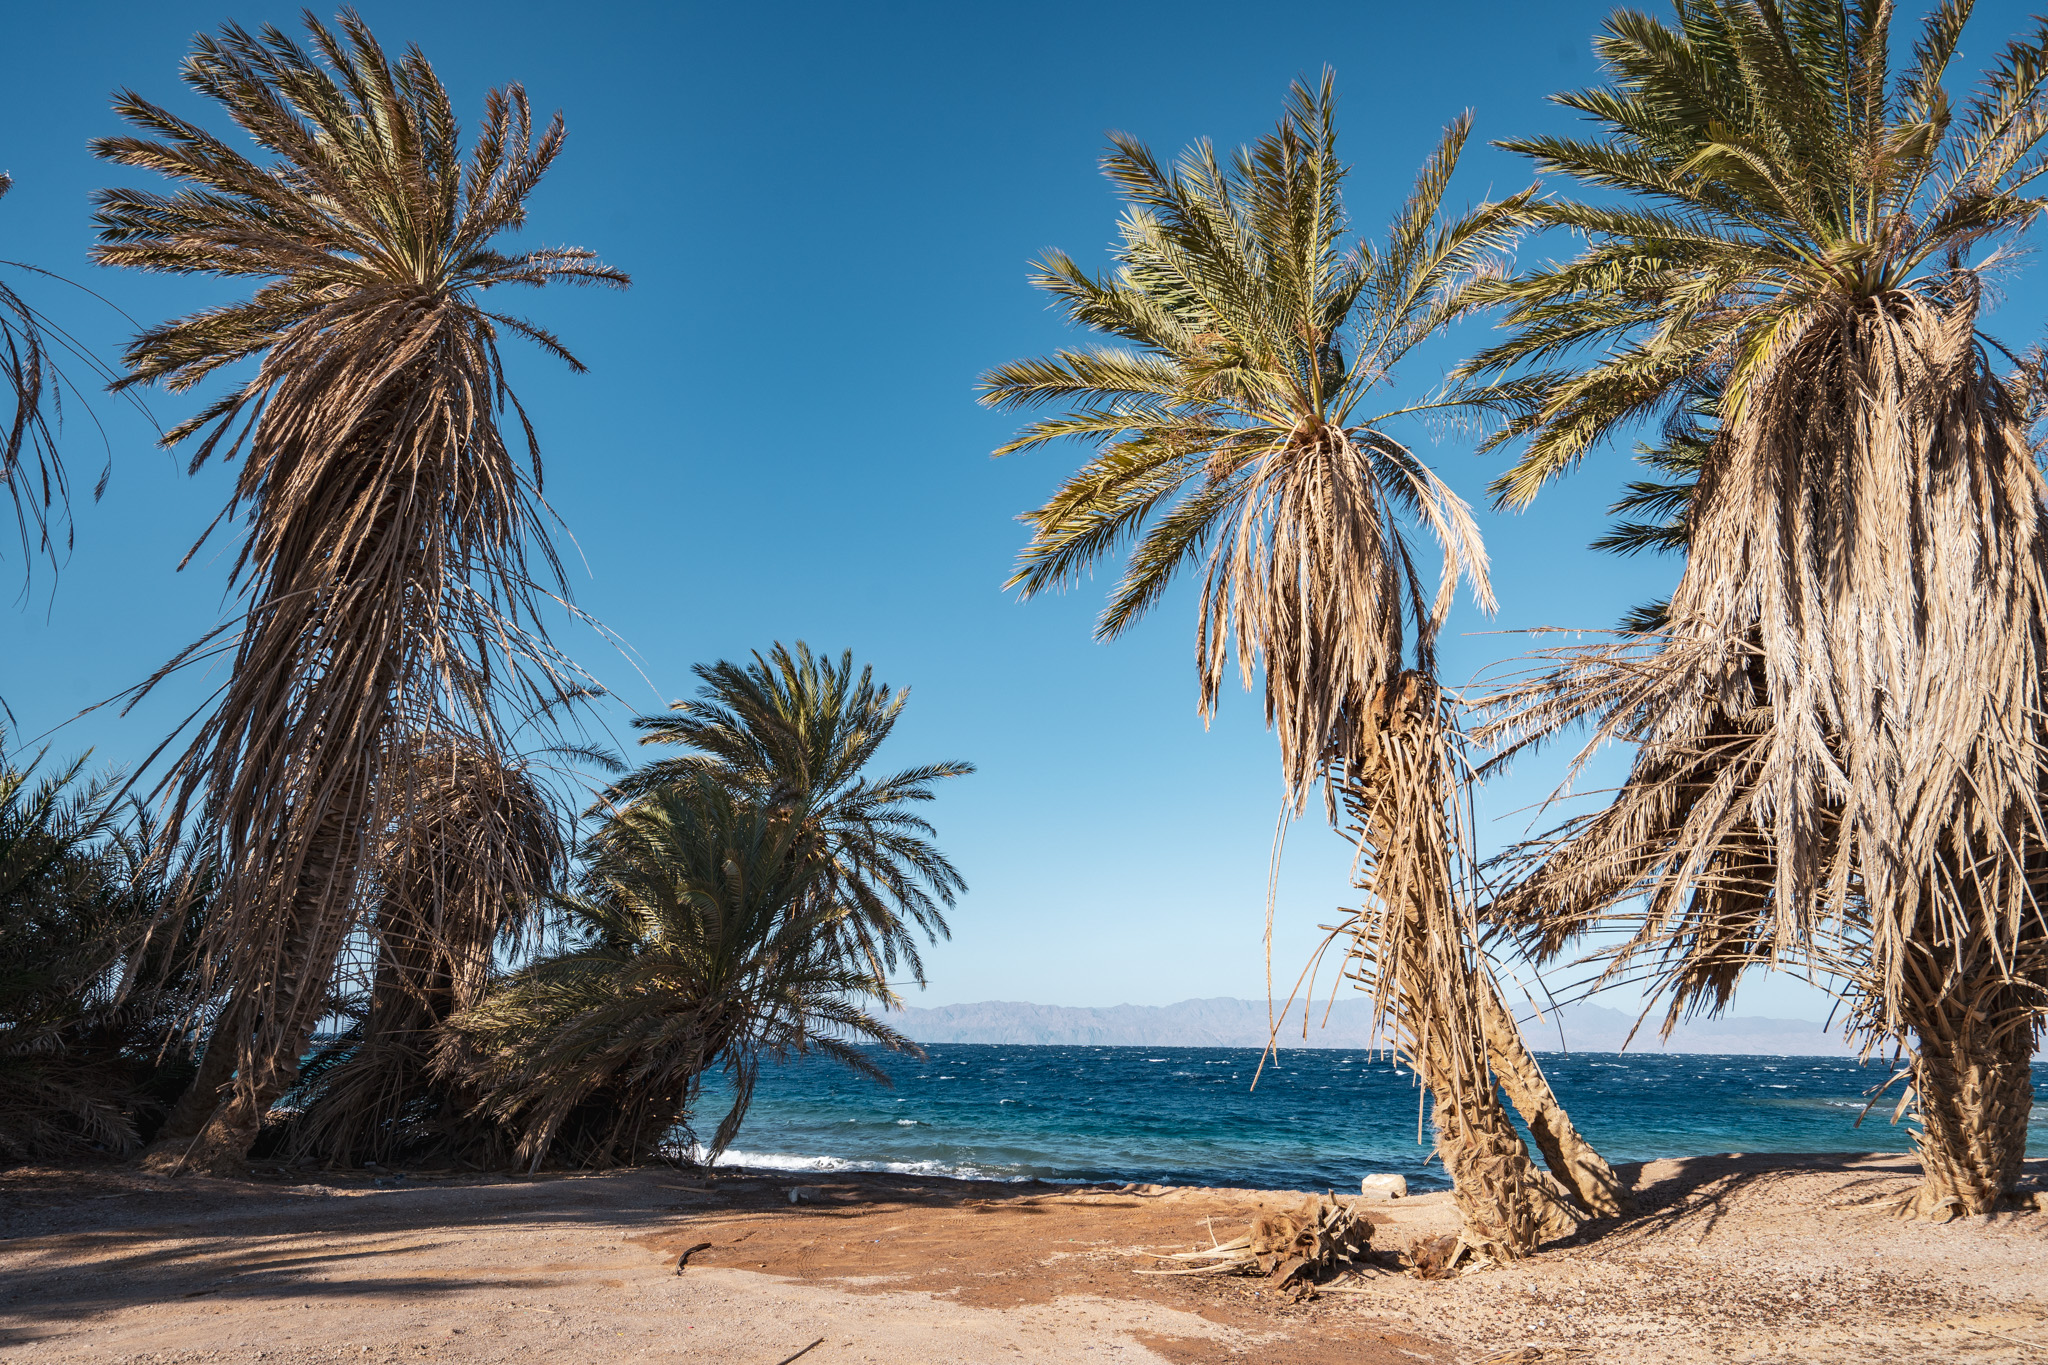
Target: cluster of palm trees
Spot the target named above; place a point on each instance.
(360, 928)
(1837, 719)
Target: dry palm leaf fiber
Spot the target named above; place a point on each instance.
(389, 522)
(1840, 736)
(1839, 745)
(1307, 1242)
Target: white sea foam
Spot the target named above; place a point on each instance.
(785, 1161)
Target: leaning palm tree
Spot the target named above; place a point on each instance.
(389, 520)
(799, 733)
(1237, 423)
(697, 942)
(1840, 728)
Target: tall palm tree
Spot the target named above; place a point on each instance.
(797, 732)
(389, 522)
(1237, 423)
(1841, 729)
(699, 941)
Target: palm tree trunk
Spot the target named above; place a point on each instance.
(216, 1068)
(1578, 1167)
(292, 1002)
(1414, 948)
(1507, 1206)
(1973, 1085)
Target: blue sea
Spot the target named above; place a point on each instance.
(1318, 1118)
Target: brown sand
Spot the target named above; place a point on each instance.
(1755, 1259)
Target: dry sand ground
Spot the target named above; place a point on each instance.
(1758, 1259)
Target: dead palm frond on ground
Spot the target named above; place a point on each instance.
(1839, 731)
(698, 940)
(389, 521)
(1237, 428)
(799, 733)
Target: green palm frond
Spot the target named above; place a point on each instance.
(799, 732)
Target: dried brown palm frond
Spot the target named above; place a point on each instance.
(389, 519)
(461, 876)
(1239, 433)
(1314, 1239)
(1840, 728)
(1840, 736)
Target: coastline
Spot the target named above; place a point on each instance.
(1758, 1257)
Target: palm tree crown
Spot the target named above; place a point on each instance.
(797, 733)
(1776, 178)
(1238, 419)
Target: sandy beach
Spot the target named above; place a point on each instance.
(1732, 1258)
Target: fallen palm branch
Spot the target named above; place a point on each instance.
(1304, 1243)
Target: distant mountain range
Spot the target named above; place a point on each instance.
(1225, 1022)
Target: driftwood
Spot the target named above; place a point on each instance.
(1284, 1245)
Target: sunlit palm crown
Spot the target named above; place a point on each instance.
(1239, 421)
(1846, 705)
(1771, 175)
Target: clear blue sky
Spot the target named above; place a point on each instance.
(828, 212)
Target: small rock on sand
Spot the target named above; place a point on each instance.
(1384, 1187)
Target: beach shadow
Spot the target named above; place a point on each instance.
(72, 1250)
(84, 1241)
(1695, 1194)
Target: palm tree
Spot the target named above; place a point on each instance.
(798, 733)
(95, 958)
(699, 940)
(1841, 728)
(1236, 423)
(386, 566)
(461, 876)
(60, 935)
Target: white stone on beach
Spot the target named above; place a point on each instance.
(805, 1194)
(1384, 1187)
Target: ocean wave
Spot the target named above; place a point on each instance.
(962, 1170)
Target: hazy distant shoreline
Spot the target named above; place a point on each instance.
(1226, 1022)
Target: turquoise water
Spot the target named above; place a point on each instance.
(1317, 1118)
